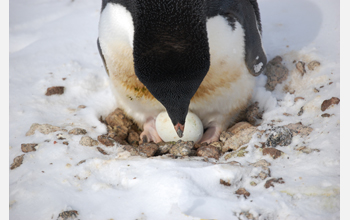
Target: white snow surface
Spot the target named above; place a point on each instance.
(53, 43)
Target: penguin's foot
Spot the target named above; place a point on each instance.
(211, 134)
(150, 132)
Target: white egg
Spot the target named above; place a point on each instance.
(193, 128)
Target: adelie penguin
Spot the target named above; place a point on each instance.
(179, 56)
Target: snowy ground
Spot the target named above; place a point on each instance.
(53, 43)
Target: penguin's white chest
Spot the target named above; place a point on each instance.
(224, 91)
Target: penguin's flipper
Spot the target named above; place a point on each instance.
(255, 56)
(101, 54)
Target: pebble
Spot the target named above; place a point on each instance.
(68, 215)
(209, 152)
(300, 65)
(132, 150)
(102, 151)
(118, 118)
(28, 147)
(17, 161)
(273, 152)
(243, 191)
(164, 147)
(133, 138)
(43, 128)
(77, 131)
(299, 129)
(148, 149)
(276, 73)
(279, 136)
(329, 102)
(261, 163)
(225, 183)
(253, 114)
(242, 135)
(313, 65)
(103, 139)
(306, 150)
(270, 182)
(182, 148)
(88, 141)
(55, 90)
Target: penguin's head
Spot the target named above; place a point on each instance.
(171, 52)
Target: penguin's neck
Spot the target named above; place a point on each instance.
(170, 36)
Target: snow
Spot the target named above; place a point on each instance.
(52, 40)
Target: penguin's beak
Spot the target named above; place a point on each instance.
(179, 128)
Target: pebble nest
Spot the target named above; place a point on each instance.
(124, 133)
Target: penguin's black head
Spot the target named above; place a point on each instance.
(171, 52)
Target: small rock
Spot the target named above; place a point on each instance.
(198, 145)
(273, 152)
(306, 150)
(68, 215)
(326, 115)
(88, 141)
(279, 136)
(81, 106)
(17, 161)
(103, 139)
(276, 73)
(247, 215)
(80, 162)
(121, 132)
(313, 65)
(243, 191)
(60, 136)
(65, 143)
(209, 152)
(55, 90)
(316, 90)
(102, 151)
(238, 127)
(182, 148)
(238, 153)
(164, 147)
(241, 137)
(253, 114)
(132, 150)
(117, 139)
(301, 111)
(133, 138)
(77, 131)
(287, 114)
(298, 98)
(327, 103)
(261, 163)
(223, 182)
(301, 67)
(299, 129)
(270, 182)
(252, 183)
(217, 144)
(28, 147)
(223, 137)
(43, 128)
(118, 118)
(263, 175)
(148, 149)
